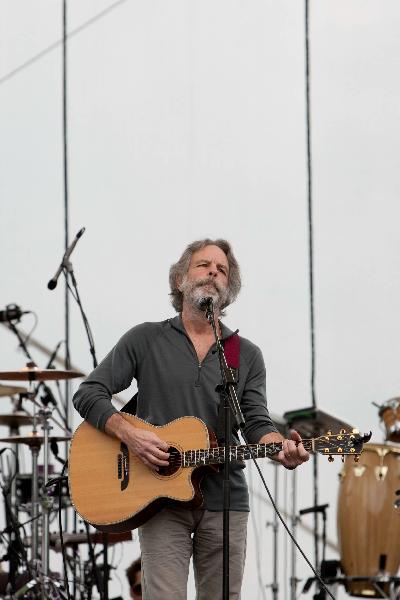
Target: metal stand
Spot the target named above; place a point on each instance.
(294, 521)
(231, 405)
(275, 585)
(46, 501)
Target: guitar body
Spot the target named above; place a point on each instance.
(114, 491)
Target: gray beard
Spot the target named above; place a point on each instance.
(193, 292)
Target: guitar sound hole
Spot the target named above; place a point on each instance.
(174, 462)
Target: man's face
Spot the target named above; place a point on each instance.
(207, 276)
(136, 588)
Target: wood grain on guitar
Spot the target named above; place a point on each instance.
(114, 491)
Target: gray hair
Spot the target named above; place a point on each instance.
(179, 269)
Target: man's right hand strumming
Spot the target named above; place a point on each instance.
(146, 445)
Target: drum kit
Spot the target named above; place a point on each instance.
(30, 492)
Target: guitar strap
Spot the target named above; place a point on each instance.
(232, 353)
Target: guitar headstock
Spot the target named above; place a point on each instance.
(341, 444)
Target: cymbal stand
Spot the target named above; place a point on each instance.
(47, 502)
(35, 449)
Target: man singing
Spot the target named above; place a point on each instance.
(177, 371)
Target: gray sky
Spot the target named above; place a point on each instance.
(187, 119)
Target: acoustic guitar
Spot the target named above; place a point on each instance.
(114, 491)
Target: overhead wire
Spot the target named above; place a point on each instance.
(36, 57)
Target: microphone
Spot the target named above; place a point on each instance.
(206, 303)
(12, 313)
(53, 282)
(314, 509)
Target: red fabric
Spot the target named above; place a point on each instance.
(232, 351)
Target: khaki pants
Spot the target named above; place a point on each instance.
(172, 536)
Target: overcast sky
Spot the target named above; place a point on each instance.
(187, 119)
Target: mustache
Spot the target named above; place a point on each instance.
(208, 281)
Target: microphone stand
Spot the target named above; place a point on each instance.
(231, 405)
(102, 589)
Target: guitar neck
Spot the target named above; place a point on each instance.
(210, 456)
(340, 444)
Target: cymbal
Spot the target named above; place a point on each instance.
(33, 439)
(72, 539)
(33, 373)
(16, 419)
(11, 390)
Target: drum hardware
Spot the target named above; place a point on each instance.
(34, 439)
(24, 491)
(319, 509)
(314, 422)
(33, 373)
(11, 390)
(368, 522)
(75, 539)
(389, 415)
(16, 419)
(34, 442)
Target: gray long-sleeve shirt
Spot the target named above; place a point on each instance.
(172, 384)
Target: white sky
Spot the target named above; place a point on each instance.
(187, 119)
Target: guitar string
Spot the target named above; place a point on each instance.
(178, 459)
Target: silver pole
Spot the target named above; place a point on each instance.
(293, 578)
(275, 586)
(35, 505)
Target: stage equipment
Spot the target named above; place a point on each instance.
(32, 373)
(310, 422)
(16, 420)
(12, 313)
(33, 439)
(11, 390)
(65, 260)
(368, 522)
(40, 507)
(97, 537)
(126, 491)
(389, 414)
(313, 422)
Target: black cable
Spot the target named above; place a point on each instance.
(35, 324)
(58, 43)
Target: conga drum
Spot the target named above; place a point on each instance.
(368, 521)
(389, 414)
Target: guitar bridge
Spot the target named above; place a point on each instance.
(123, 466)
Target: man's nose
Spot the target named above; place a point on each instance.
(213, 271)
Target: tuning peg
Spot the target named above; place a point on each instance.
(329, 432)
(330, 458)
(342, 431)
(356, 458)
(342, 457)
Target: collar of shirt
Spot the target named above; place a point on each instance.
(177, 323)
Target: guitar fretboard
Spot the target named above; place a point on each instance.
(209, 456)
(340, 444)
